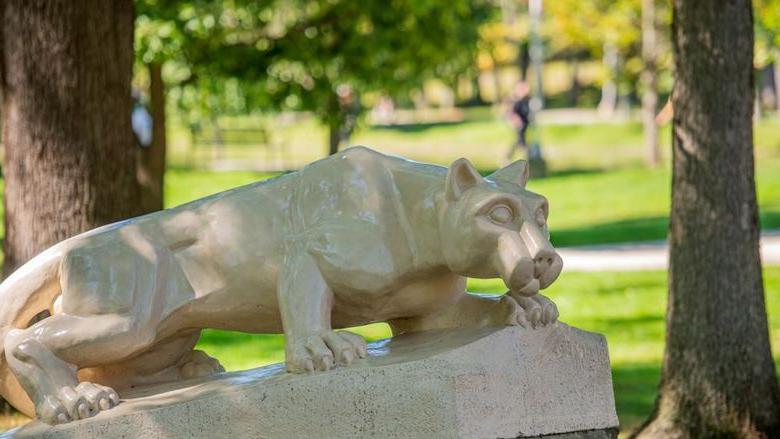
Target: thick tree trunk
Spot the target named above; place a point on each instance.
(5, 408)
(70, 157)
(151, 166)
(718, 375)
(2, 65)
(648, 76)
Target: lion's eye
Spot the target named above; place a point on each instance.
(501, 215)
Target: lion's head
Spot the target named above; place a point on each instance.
(493, 227)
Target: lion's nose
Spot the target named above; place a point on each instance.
(543, 260)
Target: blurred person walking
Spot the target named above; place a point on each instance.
(520, 117)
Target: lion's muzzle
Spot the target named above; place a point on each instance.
(526, 261)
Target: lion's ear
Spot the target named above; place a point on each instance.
(460, 177)
(515, 173)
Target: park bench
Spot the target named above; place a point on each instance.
(230, 149)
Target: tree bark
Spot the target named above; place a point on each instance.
(777, 82)
(718, 375)
(648, 76)
(5, 408)
(70, 157)
(2, 65)
(151, 166)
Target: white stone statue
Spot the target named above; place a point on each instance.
(355, 238)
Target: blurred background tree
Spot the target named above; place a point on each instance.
(318, 56)
(767, 56)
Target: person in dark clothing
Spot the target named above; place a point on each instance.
(520, 116)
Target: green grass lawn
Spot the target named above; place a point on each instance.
(588, 207)
(483, 136)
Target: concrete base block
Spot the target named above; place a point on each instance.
(476, 383)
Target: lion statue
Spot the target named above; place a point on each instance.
(356, 238)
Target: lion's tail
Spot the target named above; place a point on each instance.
(26, 297)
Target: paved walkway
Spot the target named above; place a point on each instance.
(644, 256)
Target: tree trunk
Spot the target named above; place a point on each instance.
(151, 165)
(5, 407)
(334, 136)
(718, 375)
(574, 87)
(766, 87)
(495, 73)
(777, 82)
(70, 158)
(524, 60)
(536, 54)
(476, 92)
(648, 76)
(2, 68)
(609, 91)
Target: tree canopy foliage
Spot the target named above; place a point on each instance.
(294, 54)
(239, 56)
(767, 31)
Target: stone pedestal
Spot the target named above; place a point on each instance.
(484, 383)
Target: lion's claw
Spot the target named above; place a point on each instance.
(73, 403)
(323, 351)
(533, 312)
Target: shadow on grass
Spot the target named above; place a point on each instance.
(231, 338)
(616, 323)
(639, 229)
(633, 230)
(568, 172)
(770, 219)
(419, 127)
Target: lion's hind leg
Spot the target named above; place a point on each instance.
(171, 359)
(199, 364)
(46, 356)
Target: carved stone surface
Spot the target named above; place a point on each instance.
(355, 238)
(470, 383)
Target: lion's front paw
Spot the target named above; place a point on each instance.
(73, 403)
(324, 350)
(532, 312)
